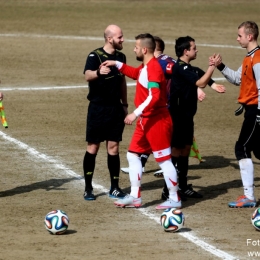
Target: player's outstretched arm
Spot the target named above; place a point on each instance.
(218, 88)
(94, 74)
(108, 63)
(201, 94)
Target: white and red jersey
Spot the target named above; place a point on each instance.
(148, 100)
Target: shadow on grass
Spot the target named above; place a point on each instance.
(209, 192)
(52, 184)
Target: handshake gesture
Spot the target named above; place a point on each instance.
(215, 60)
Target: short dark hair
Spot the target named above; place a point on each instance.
(250, 28)
(181, 44)
(160, 45)
(147, 40)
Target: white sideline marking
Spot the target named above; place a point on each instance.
(43, 88)
(93, 38)
(55, 163)
(129, 84)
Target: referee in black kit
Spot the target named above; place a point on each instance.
(107, 110)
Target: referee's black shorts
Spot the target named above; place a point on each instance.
(105, 123)
(183, 131)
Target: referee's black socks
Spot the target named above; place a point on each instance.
(88, 168)
(113, 164)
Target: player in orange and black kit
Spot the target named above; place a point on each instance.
(248, 77)
(106, 111)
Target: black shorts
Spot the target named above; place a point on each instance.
(249, 137)
(183, 131)
(105, 123)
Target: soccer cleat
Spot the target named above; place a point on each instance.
(129, 202)
(116, 193)
(242, 202)
(189, 192)
(165, 195)
(88, 195)
(169, 204)
(158, 174)
(126, 170)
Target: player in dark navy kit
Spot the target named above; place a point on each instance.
(183, 106)
(107, 110)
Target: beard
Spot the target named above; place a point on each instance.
(140, 58)
(117, 46)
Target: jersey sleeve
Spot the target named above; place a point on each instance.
(129, 71)
(152, 98)
(190, 76)
(167, 64)
(155, 78)
(168, 69)
(201, 72)
(232, 76)
(154, 72)
(92, 62)
(256, 71)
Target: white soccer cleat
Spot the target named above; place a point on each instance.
(129, 202)
(169, 204)
(126, 170)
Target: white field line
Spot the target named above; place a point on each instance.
(58, 165)
(42, 88)
(93, 38)
(129, 84)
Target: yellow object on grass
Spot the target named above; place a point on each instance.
(194, 151)
(2, 115)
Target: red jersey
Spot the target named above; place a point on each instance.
(148, 101)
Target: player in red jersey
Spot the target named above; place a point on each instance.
(167, 64)
(152, 118)
(248, 78)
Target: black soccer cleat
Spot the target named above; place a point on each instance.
(189, 193)
(116, 193)
(88, 195)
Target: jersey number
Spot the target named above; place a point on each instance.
(245, 70)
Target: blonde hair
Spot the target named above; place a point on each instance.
(250, 28)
